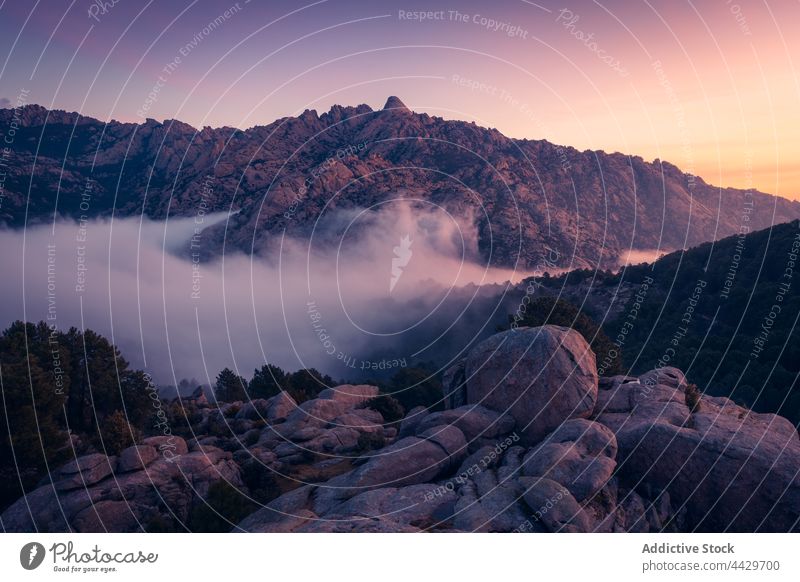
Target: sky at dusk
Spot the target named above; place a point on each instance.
(710, 85)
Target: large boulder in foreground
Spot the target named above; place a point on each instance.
(541, 376)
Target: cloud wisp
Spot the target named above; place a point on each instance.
(324, 302)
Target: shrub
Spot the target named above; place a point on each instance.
(306, 384)
(232, 410)
(117, 434)
(692, 398)
(31, 430)
(370, 441)
(389, 408)
(417, 387)
(181, 415)
(260, 481)
(224, 507)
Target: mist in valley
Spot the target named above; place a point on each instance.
(370, 291)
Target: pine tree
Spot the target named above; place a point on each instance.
(31, 433)
(230, 387)
(267, 381)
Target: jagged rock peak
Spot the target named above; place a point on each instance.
(339, 112)
(395, 103)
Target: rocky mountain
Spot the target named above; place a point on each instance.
(533, 440)
(530, 200)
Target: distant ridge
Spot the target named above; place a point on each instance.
(534, 202)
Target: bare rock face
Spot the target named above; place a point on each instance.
(415, 506)
(540, 376)
(394, 103)
(455, 386)
(644, 462)
(640, 464)
(554, 506)
(331, 424)
(385, 149)
(280, 407)
(84, 472)
(413, 418)
(490, 498)
(169, 446)
(121, 497)
(732, 469)
(136, 457)
(539, 446)
(478, 424)
(255, 409)
(580, 454)
(409, 461)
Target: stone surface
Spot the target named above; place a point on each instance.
(416, 505)
(579, 454)
(454, 385)
(280, 406)
(409, 461)
(136, 457)
(175, 444)
(256, 409)
(126, 502)
(352, 394)
(733, 469)
(285, 513)
(84, 472)
(641, 462)
(490, 500)
(540, 376)
(473, 420)
(408, 426)
(554, 506)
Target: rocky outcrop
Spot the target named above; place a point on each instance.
(362, 158)
(605, 462)
(539, 376)
(612, 455)
(331, 424)
(84, 472)
(136, 457)
(730, 468)
(580, 454)
(478, 424)
(554, 506)
(99, 493)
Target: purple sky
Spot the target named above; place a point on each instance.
(722, 102)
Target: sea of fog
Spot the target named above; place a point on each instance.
(379, 291)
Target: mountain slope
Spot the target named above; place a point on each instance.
(726, 313)
(523, 195)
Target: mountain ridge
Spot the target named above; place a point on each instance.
(528, 195)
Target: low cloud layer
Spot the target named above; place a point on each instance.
(370, 288)
(636, 257)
